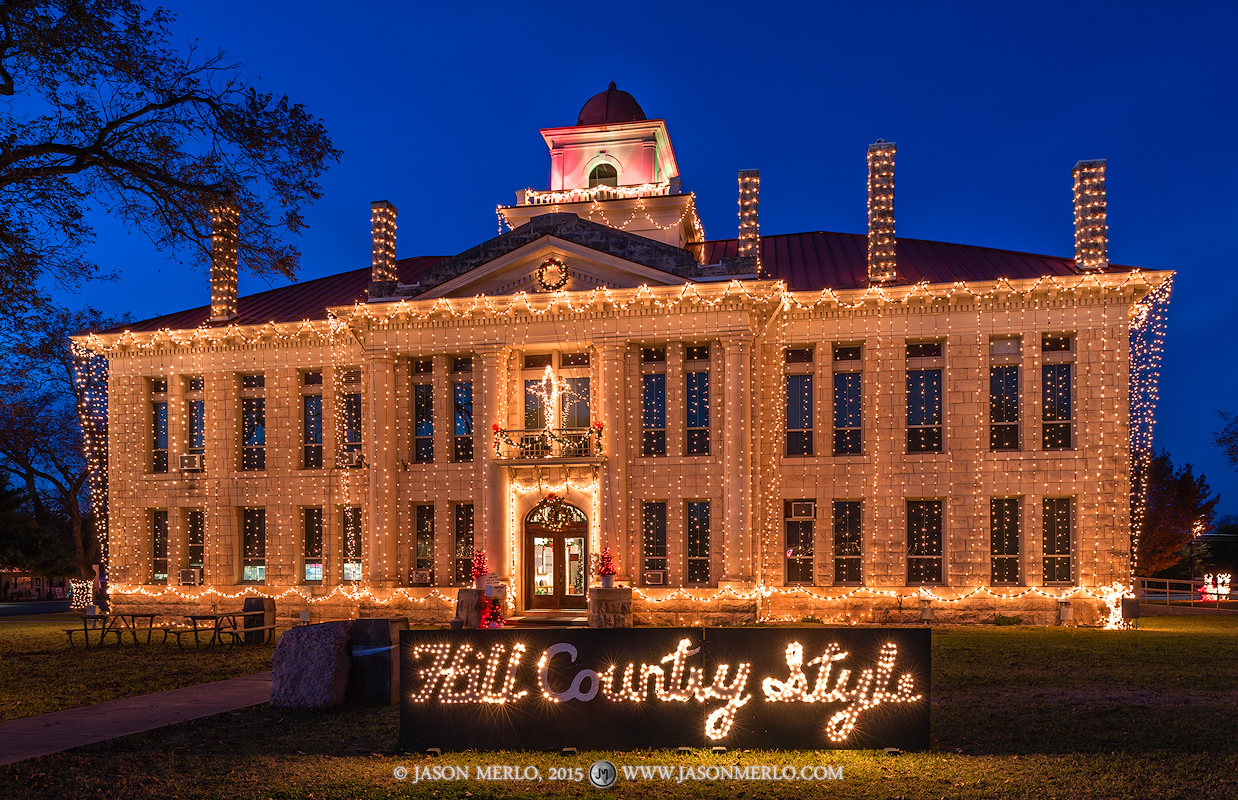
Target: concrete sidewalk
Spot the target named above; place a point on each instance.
(62, 730)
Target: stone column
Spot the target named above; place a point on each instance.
(612, 478)
(737, 427)
(491, 508)
(381, 462)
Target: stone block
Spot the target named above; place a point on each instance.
(610, 608)
(311, 666)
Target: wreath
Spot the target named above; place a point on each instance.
(546, 285)
(557, 515)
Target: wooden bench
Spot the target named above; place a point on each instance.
(238, 634)
(85, 632)
(178, 633)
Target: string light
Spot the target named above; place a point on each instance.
(882, 263)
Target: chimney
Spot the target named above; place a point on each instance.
(749, 225)
(882, 264)
(382, 234)
(224, 221)
(1091, 230)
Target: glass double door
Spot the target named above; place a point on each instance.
(557, 567)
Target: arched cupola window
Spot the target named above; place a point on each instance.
(603, 175)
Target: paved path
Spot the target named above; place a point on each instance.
(62, 730)
(24, 607)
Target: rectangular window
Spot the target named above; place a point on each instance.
(653, 355)
(574, 360)
(253, 381)
(653, 414)
(575, 402)
(535, 411)
(351, 523)
(195, 539)
(798, 521)
(696, 409)
(924, 541)
(352, 422)
(653, 528)
(159, 545)
(464, 543)
(1057, 545)
(423, 544)
(462, 364)
(462, 394)
(847, 400)
(253, 433)
(924, 349)
(1004, 407)
(311, 452)
(847, 542)
(195, 416)
(159, 441)
(1056, 343)
(698, 352)
(697, 524)
(538, 360)
(799, 415)
(798, 355)
(1057, 406)
(254, 545)
(1004, 539)
(924, 410)
(423, 423)
(423, 366)
(311, 544)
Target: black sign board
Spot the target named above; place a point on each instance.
(621, 689)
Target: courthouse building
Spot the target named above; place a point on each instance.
(775, 426)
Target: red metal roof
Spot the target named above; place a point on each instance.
(306, 300)
(814, 261)
(806, 261)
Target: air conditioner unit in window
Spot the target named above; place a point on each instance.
(191, 577)
(350, 377)
(421, 576)
(803, 510)
(193, 463)
(655, 577)
(353, 459)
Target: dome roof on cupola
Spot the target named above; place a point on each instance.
(610, 106)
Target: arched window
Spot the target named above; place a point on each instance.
(603, 175)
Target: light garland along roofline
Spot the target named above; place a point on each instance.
(603, 299)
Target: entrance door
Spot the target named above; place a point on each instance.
(556, 561)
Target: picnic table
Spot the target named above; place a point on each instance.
(228, 623)
(113, 624)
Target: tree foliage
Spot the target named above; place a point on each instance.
(1179, 507)
(42, 403)
(105, 112)
(1227, 437)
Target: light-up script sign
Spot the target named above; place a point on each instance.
(784, 688)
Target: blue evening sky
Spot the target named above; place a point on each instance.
(437, 106)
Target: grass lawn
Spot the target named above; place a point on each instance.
(1017, 713)
(41, 673)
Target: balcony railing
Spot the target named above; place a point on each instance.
(532, 197)
(547, 443)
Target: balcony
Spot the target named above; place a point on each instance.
(549, 445)
(532, 197)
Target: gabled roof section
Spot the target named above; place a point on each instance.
(805, 261)
(815, 261)
(570, 228)
(300, 301)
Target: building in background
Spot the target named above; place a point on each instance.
(763, 427)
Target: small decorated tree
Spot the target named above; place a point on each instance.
(492, 613)
(480, 568)
(606, 568)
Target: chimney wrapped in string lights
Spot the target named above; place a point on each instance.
(882, 264)
(382, 232)
(749, 225)
(224, 224)
(1091, 229)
